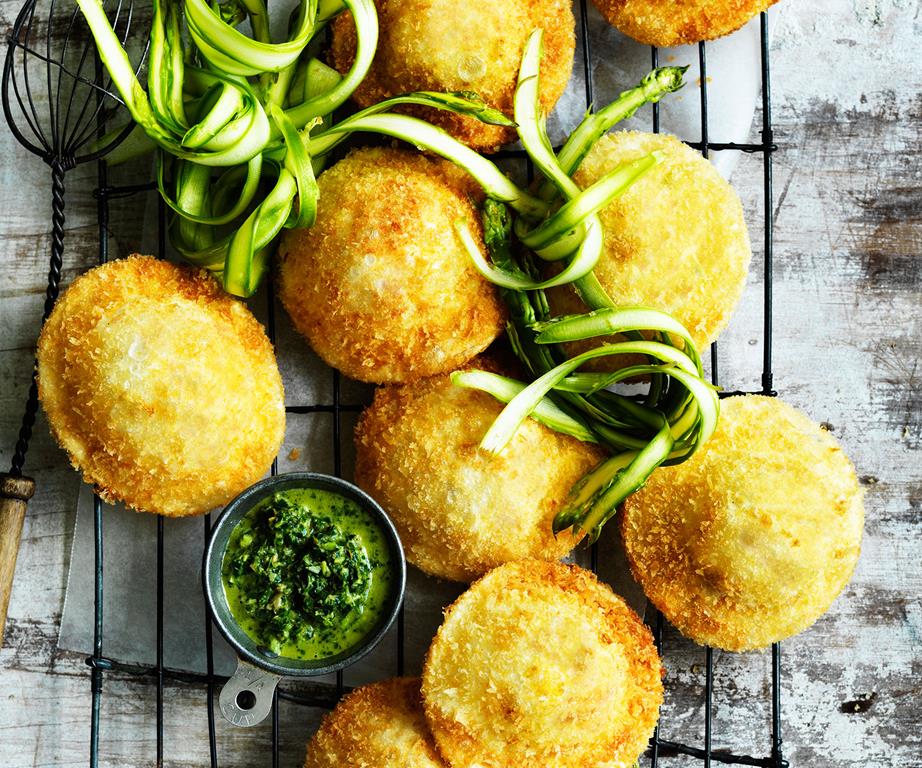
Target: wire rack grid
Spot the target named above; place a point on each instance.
(660, 749)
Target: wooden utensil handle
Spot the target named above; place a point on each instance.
(15, 493)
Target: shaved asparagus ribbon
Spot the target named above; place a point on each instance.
(679, 412)
(218, 106)
(678, 429)
(241, 124)
(505, 390)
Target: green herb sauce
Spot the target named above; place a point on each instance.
(307, 574)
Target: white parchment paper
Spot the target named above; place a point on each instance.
(130, 565)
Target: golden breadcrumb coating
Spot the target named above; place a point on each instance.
(675, 241)
(461, 511)
(380, 286)
(750, 540)
(162, 388)
(376, 726)
(541, 664)
(679, 22)
(443, 45)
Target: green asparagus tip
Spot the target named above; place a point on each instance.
(486, 114)
(664, 80)
(232, 12)
(563, 520)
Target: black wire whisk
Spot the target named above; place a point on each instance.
(56, 98)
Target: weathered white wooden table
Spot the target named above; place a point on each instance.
(848, 319)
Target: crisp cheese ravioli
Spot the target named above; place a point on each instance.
(380, 285)
(675, 241)
(541, 664)
(444, 45)
(376, 726)
(751, 539)
(461, 511)
(162, 388)
(679, 22)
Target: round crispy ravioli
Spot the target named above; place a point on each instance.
(751, 539)
(381, 286)
(667, 23)
(675, 241)
(444, 45)
(541, 664)
(162, 388)
(376, 726)
(461, 511)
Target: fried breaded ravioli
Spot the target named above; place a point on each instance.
(443, 45)
(380, 286)
(675, 241)
(541, 664)
(679, 22)
(376, 726)
(461, 511)
(751, 539)
(162, 388)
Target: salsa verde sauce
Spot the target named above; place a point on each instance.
(307, 573)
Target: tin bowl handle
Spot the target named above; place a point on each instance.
(246, 698)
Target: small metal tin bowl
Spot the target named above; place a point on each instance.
(246, 698)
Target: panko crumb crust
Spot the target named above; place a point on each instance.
(675, 241)
(541, 664)
(381, 286)
(461, 511)
(444, 45)
(750, 540)
(162, 388)
(376, 726)
(667, 23)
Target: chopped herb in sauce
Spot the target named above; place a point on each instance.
(302, 570)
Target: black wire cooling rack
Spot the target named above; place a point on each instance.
(660, 750)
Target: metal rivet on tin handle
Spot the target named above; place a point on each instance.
(247, 697)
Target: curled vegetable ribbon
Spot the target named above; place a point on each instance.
(680, 410)
(230, 115)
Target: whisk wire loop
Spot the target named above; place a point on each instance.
(51, 98)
